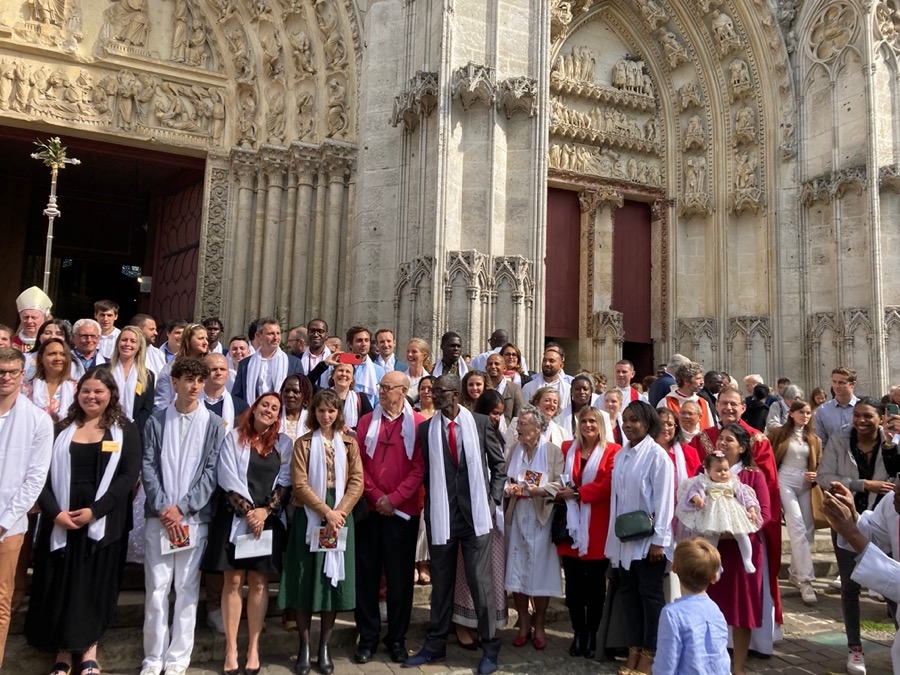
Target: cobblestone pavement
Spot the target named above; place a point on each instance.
(813, 643)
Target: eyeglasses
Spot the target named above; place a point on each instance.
(12, 374)
(316, 330)
(511, 356)
(83, 336)
(387, 388)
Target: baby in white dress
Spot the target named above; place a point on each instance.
(716, 502)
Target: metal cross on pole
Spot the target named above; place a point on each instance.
(52, 154)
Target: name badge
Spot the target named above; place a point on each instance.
(111, 446)
(139, 389)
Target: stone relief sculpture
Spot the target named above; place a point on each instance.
(739, 79)
(887, 19)
(675, 53)
(54, 23)
(727, 39)
(650, 130)
(246, 124)
(629, 75)
(694, 136)
(334, 49)
(474, 83)
(127, 22)
(306, 121)
(577, 65)
(273, 54)
(275, 122)
(336, 116)
(301, 52)
(196, 54)
(518, 93)
(603, 162)
(745, 125)
(560, 18)
(707, 5)
(237, 42)
(695, 200)
(179, 31)
(746, 194)
(833, 31)
(653, 14)
(689, 96)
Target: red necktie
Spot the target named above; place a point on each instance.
(451, 441)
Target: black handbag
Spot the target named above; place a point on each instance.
(634, 525)
(559, 530)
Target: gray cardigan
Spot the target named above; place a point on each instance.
(198, 500)
(838, 464)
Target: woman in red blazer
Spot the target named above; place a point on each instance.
(588, 476)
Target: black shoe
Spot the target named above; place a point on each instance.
(303, 666)
(252, 671)
(326, 665)
(398, 652)
(590, 649)
(423, 657)
(363, 654)
(577, 646)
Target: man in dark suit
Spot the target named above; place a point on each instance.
(712, 385)
(265, 370)
(464, 476)
(385, 344)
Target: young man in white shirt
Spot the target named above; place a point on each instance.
(181, 448)
(26, 443)
(105, 313)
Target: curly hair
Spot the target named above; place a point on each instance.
(112, 416)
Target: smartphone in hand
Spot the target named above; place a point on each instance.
(351, 358)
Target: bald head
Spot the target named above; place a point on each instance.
(392, 391)
(218, 372)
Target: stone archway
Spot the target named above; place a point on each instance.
(675, 103)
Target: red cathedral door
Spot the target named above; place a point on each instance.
(563, 264)
(631, 283)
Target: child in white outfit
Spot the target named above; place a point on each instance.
(716, 502)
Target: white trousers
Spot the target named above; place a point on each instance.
(164, 648)
(798, 519)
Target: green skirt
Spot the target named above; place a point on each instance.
(303, 582)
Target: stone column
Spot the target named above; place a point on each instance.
(317, 251)
(245, 172)
(259, 220)
(334, 211)
(306, 176)
(274, 165)
(283, 308)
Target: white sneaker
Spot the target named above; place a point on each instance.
(856, 662)
(836, 583)
(793, 580)
(807, 594)
(151, 670)
(875, 595)
(213, 620)
(178, 670)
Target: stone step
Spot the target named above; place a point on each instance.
(824, 566)
(821, 543)
(121, 649)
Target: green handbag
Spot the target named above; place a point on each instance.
(634, 525)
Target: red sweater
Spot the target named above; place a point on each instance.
(598, 494)
(388, 471)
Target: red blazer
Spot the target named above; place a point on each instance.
(598, 494)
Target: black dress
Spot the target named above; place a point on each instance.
(75, 590)
(219, 554)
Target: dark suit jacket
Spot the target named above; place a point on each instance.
(458, 487)
(143, 402)
(706, 395)
(240, 378)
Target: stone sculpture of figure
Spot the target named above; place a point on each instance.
(275, 123)
(745, 171)
(334, 49)
(691, 177)
(675, 53)
(7, 77)
(723, 28)
(180, 31)
(653, 13)
(620, 74)
(48, 11)
(336, 116)
(128, 22)
(745, 123)
(217, 125)
(739, 73)
(693, 134)
(21, 86)
(272, 55)
(196, 52)
(555, 156)
(302, 53)
(247, 119)
(648, 86)
(239, 48)
(650, 130)
(306, 121)
(147, 85)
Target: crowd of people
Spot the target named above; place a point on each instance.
(349, 475)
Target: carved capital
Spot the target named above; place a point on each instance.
(592, 201)
(473, 84)
(518, 93)
(416, 101)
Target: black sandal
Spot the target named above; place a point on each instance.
(61, 667)
(92, 667)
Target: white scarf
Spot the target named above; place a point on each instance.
(461, 364)
(180, 458)
(127, 388)
(518, 463)
(408, 431)
(301, 424)
(65, 392)
(234, 459)
(366, 377)
(439, 524)
(351, 409)
(680, 465)
(334, 560)
(227, 408)
(61, 476)
(304, 360)
(578, 518)
(278, 370)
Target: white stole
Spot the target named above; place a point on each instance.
(518, 463)
(408, 430)
(180, 457)
(439, 524)
(41, 398)
(61, 476)
(578, 518)
(234, 459)
(304, 360)
(127, 388)
(366, 378)
(351, 409)
(334, 560)
(461, 365)
(680, 465)
(301, 425)
(278, 369)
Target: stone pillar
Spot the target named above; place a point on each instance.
(283, 308)
(242, 218)
(317, 252)
(306, 176)
(274, 166)
(334, 212)
(259, 221)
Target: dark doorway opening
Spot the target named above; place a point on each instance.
(106, 236)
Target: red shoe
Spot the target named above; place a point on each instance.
(520, 640)
(539, 643)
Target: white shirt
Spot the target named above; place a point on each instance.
(155, 359)
(643, 480)
(388, 364)
(108, 343)
(563, 388)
